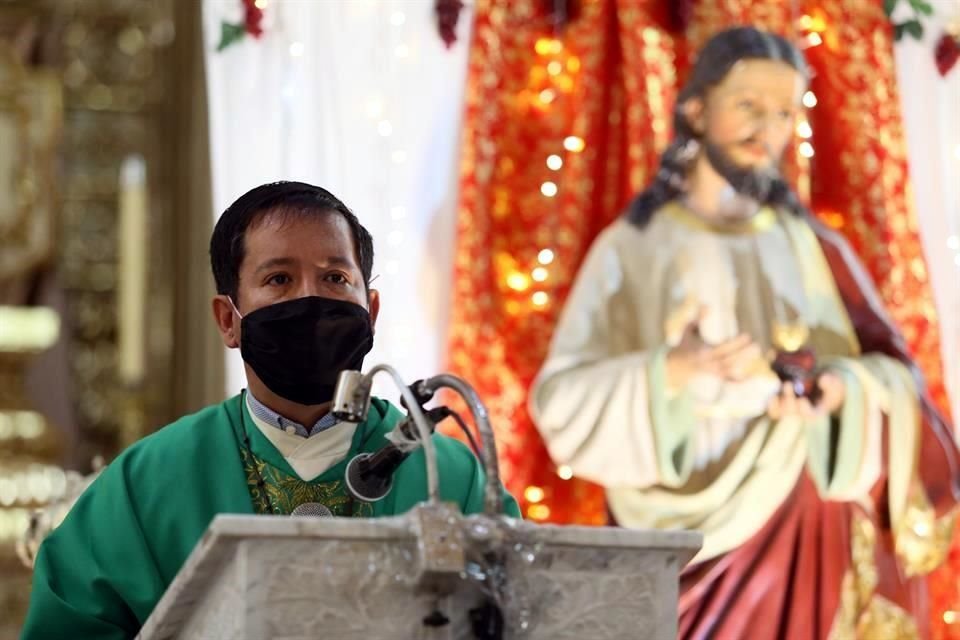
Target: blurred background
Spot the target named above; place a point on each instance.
(483, 144)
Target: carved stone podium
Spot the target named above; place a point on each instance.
(425, 575)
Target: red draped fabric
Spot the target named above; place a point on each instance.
(562, 128)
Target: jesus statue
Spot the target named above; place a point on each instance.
(724, 364)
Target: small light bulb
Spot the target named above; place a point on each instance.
(533, 494)
(548, 189)
(539, 274)
(547, 96)
(554, 162)
(574, 144)
(545, 256)
(809, 100)
(517, 281)
(806, 149)
(540, 298)
(538, 512)
(554, 68)
(564, 472)
(804, 130)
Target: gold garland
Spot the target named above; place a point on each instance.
(280, 493)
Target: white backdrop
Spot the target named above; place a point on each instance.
(931, 112)
(361, 97)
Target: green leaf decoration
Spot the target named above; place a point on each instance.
(230, 34)
(922, 7)
(914, 28)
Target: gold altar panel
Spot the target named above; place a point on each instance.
(104, 217)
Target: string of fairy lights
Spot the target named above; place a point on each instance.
(552, 76)
(811, 30)
(381, 121)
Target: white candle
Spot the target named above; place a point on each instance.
(132, 270)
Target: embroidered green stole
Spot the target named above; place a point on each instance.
(273, 491)
(276, 490)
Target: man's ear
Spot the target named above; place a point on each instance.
(693, 112)
(374, 307)
(228, 323)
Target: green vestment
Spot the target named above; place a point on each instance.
(102, 571)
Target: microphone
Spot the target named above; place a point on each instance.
(369, 476)
(314, 509)
(351, 396)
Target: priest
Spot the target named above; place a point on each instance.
(292, 266)
(724, 364)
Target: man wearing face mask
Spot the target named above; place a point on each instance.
(292, 266)
(821, 506)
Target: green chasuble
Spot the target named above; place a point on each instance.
(102, 571)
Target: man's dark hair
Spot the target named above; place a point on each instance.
(227, 247)
(714, 62)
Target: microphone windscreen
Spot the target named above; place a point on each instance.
(314, 509)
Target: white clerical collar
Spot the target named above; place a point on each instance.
(307, 456)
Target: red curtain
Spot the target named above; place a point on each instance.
(563, 127)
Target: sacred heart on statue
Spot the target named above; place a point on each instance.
(794, 362)
(799, 368)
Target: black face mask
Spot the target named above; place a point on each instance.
(299, 347)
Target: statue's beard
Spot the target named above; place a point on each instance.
(756, 184)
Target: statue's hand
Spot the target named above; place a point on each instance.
(832, 394)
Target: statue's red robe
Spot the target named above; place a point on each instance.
(786, 582)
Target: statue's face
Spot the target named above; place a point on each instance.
(750, 116)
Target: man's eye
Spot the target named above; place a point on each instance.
(336, 278)
(279, 279)
(746, 105)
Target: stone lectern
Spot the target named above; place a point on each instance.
(427, 575)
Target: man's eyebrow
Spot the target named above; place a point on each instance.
(340, 261)
(275, 262)
(337, 261)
